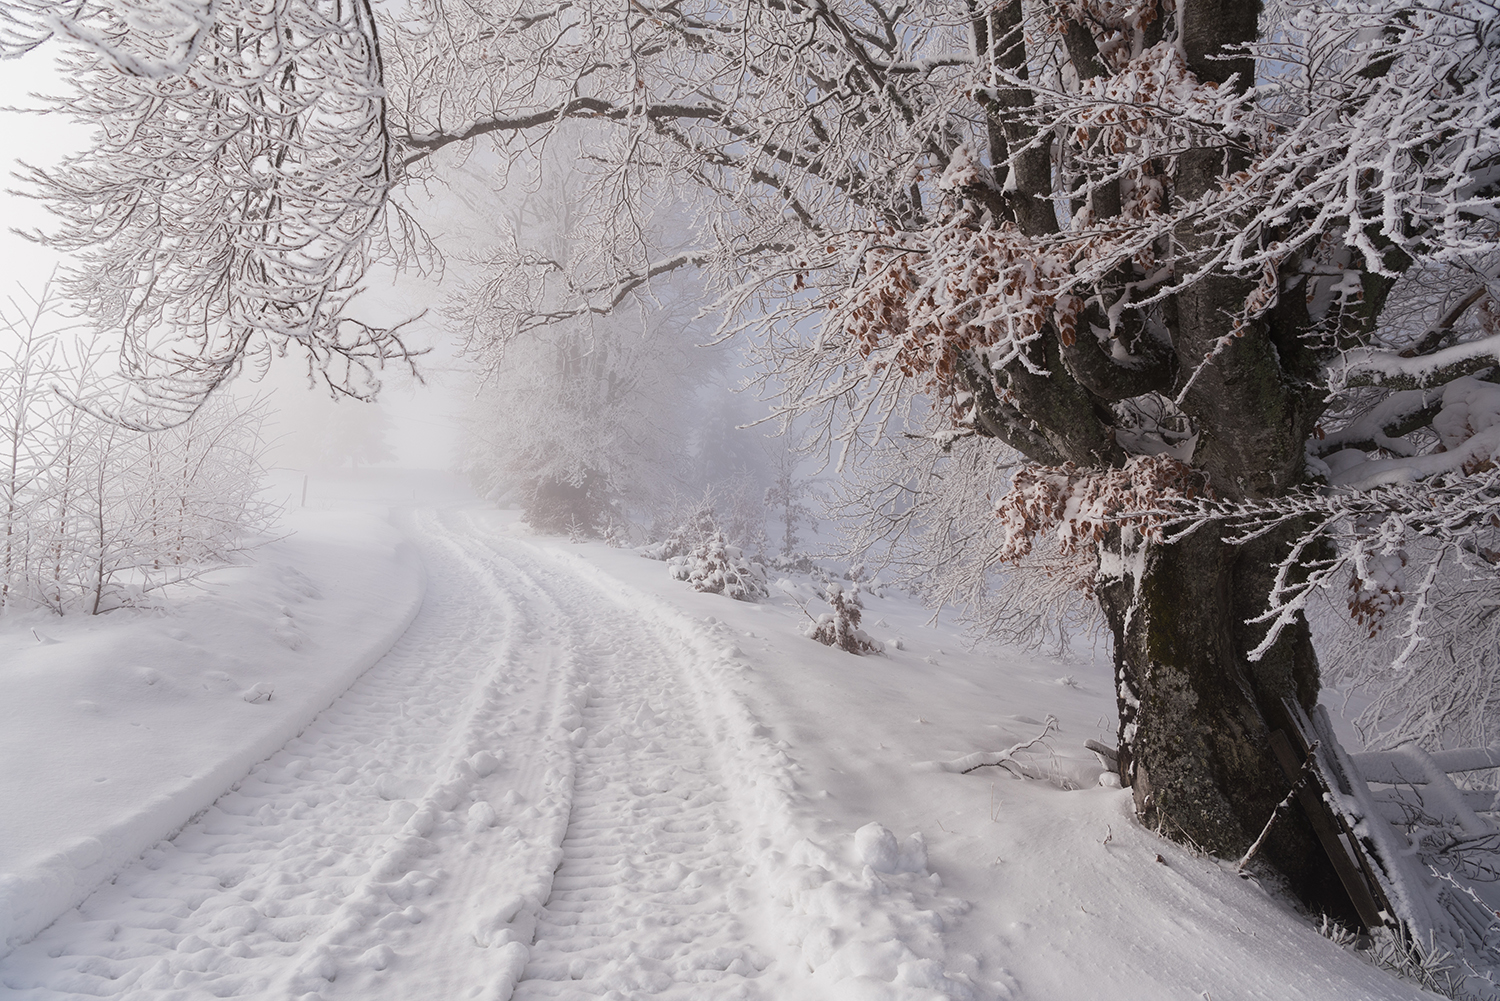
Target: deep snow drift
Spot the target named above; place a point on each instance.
(572, 777)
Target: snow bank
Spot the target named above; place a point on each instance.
(115, 733)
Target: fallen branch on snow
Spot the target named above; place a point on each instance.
(1002, 759)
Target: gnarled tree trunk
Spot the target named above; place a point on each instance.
(1196, 714)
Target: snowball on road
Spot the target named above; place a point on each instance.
(572, 777)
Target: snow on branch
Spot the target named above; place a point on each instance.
(179, 27)
(1369, 366)
(1453, 514)
(1003, 759)
(1464, 417)
(234, 197)
(1080, 506)
(27, 24)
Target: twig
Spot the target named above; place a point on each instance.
(789, 594)
(1003, 759)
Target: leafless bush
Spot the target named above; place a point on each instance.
(95, 515)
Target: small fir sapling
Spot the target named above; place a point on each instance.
(840, 627)
(719, 568)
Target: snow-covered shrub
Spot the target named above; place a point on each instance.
(691, 528)
(719, 568)
(840, 627)
(863, 580)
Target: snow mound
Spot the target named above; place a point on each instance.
(879, 849)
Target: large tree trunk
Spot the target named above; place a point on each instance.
(1195, 713)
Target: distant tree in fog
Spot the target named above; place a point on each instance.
(93, 514)
(587, 419)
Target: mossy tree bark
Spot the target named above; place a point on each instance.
(1195, 712)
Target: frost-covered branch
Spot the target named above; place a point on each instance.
(1416, 569)
(235, 194)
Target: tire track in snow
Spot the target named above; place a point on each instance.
(653, 882)
(404, 844)
(316, 872)
(549, 789)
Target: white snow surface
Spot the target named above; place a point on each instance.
(116, 729)
(574, 777)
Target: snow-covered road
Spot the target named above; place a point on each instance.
(528, 765)
(574, 778)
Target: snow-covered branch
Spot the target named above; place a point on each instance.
(232, 202)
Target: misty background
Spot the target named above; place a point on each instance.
(672, 392)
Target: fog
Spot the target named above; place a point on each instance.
(670, 435)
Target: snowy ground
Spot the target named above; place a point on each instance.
(572, 777)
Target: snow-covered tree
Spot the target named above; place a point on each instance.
(587, 415)
(1176, 256)
(98, 515)
(580, 421)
